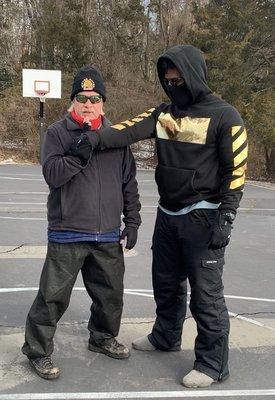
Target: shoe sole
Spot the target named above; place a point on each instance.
(96, 349)
(44, 376)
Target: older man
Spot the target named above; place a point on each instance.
(88, 193)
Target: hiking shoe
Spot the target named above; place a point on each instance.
(143, 344)
(197, 379)
(111, 348)
(44, 367)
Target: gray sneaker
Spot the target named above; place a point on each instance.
(110, 347)
(197, 379)
(44, 367)
(143, 344)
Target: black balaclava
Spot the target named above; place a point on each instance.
(180, 95)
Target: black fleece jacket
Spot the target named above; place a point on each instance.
(202, 149)
(91, 198)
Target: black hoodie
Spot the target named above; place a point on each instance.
(202, 149)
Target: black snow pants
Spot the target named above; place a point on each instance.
(180, 252)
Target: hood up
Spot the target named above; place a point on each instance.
(191, 64)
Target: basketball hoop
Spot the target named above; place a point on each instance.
(41, 84)
(41, 88)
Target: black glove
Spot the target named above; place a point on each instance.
(222, 229)
(131, 234)
(92, 136)
(80, 148)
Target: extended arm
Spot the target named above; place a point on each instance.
(130, 131)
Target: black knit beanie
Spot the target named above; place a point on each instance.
(88, 78)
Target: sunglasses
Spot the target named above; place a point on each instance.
(81, 98)
(173, 81)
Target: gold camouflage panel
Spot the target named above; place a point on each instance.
(187, 129)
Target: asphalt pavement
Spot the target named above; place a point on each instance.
(249, 277)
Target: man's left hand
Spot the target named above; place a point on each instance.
(130, 233)
(221, 233)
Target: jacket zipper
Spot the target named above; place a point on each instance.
(99, 195)
(61, 208)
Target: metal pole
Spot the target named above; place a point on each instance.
(41, 127)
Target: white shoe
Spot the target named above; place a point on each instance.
(197, 379)
(143, 344)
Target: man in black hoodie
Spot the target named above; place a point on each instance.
(202, 152)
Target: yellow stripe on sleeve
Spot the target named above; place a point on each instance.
(240, 171)
(241, 157)
(238, 142)
(137, 119)
(144, 115)
(128, 123)
(118, 127)
(133, 121)
(237, 182)
(235, 129)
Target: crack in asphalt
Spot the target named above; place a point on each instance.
(15, 248)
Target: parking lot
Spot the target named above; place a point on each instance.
(249, 277)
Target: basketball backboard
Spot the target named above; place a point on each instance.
(41, 83)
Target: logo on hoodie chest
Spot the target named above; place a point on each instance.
(187, 129)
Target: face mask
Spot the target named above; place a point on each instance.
(180, 95)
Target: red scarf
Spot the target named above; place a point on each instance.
(95, 123)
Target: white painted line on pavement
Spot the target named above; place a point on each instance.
(45, 219)
(15, 176)
(19, 203)
(239, 209)
(23, 193)
(139, 292)
(78, 289)
(260, 186)
(21, 179)
(11, 173)
(138, 395)
(25, 218)
(34, 289)
(255, 209)
(250, 321)
(249, 298)
(227, 296)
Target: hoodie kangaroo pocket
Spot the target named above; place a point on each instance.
(175, 184)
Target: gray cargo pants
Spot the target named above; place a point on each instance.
(102, 267)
